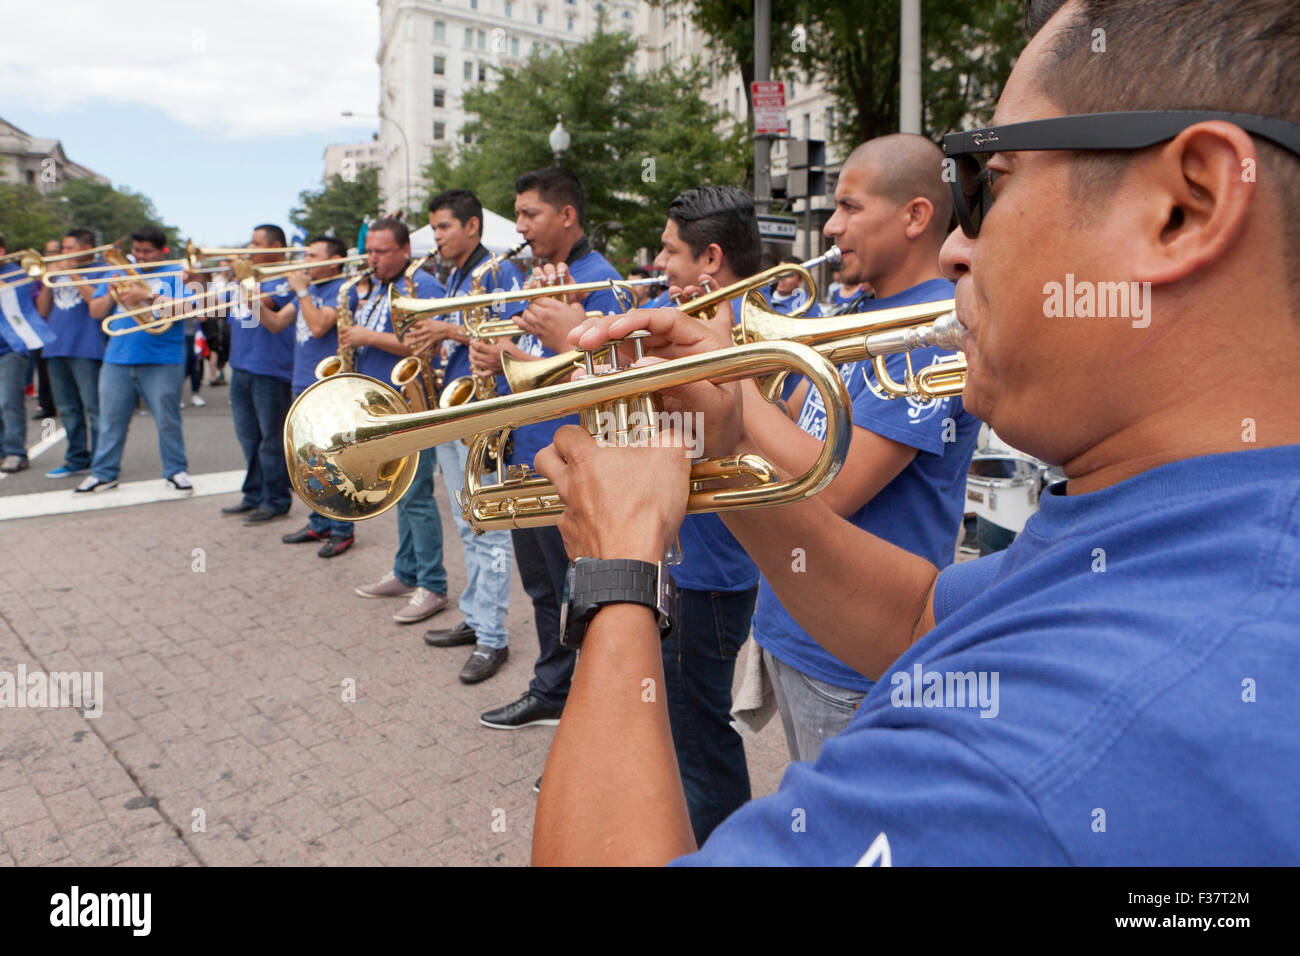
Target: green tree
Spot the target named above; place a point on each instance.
(109, 211)
(28, 218)
(637, 139)
(341, 204)
(967, 51)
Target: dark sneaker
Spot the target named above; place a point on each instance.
(260, 515)
(537, 787)
(527, 711)
(456, 636)
(238, 509)
(94, 484)
(301, 536)
(336, 545)
(483, 663)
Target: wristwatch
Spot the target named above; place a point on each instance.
(591, 583)
(304, 294)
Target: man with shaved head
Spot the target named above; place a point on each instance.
(905, 476)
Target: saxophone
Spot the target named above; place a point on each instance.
(413, 376)
(469, 388)
(346, 359)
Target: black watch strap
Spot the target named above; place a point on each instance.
(594, 583)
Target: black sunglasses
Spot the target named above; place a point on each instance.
(1136, 129)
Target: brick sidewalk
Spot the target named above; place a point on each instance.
(224, 653)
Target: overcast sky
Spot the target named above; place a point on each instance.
(217, 110)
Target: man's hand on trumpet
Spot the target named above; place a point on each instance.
(552, 318)
(602, 485)
(674, 334)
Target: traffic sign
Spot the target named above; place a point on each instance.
(768, 99)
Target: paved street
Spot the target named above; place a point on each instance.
(225, 738)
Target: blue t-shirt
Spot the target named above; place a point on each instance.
(372, 313)
(256, 349)
(587, 267)
(77, 335)
(145, 348)
(455, 355)
(309, 349)
(920, 510)
(712, 558)
(1145, 635)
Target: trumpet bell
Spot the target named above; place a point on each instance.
(331, 473)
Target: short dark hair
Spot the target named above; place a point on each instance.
(152, 235)
(722, 215)
(394, 227)
(462, 203)
(557, 187)
(335, 246)
(1191, 55)
(639, 272)
(85, 238)
(275, 233)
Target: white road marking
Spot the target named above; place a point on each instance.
(45, 444)
(65, 501)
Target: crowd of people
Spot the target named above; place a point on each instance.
(1115, 727)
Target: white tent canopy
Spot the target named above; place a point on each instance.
(498, 235)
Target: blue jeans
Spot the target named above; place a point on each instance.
(13, 413)
(488, 558)
(699, 665)
(419, 533)
(812, 711)
(75, 383)
(318, 522)
(160, 387)
(259, 404)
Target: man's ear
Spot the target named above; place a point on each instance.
(569, 215)
(713, 257)
(1194, 200)
(918, 214)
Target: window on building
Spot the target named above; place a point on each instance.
(482, 72)
(439, 32)
(473, 4)
(469, 38)
(465, 137)
(31, 178)
(469, 70)
(439, 66)
(439, 98)
(807, 126)
(541, 14)
(439, 131)
(482, 40)
(510, 9)
(789, 92)
(570, 24)
(829, 132)
(514, 46)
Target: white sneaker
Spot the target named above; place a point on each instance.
(197, 402)
(95, 484)
(180, 481)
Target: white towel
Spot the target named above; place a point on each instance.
(755, 702)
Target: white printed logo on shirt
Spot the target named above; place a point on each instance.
(66, 295)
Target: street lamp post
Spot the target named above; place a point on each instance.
(406, 153)
(559, 138)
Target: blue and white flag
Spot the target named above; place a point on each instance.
(20, 324)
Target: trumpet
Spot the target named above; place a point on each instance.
(523, 374)
(410, 309)
(351, 443)
(195, 254)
